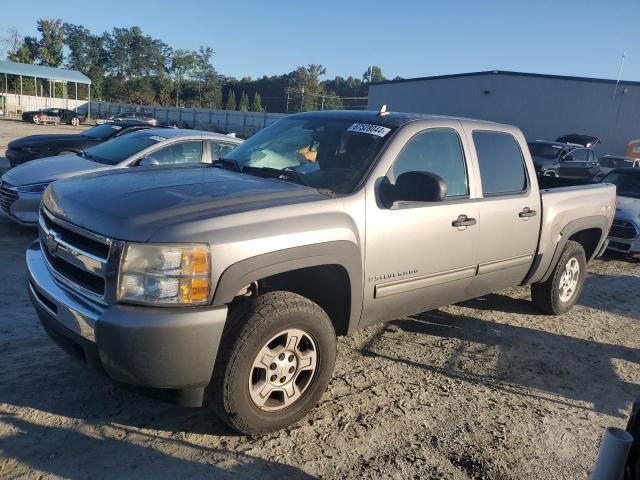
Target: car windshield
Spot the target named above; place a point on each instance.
(119, 149)
(101, 131)
(627, 183)
(545, 150)
(613, 162)
(322, 153)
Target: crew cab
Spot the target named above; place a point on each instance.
(226, 286)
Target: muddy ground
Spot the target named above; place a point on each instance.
(489, 389)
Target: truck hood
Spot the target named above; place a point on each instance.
(133, 204)
(629, 209)
(35, 140)
(51, 169)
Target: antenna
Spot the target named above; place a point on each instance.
(615, 90)
(383, 111)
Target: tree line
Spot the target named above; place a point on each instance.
(127, 66)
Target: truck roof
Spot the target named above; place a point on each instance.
(390, 119)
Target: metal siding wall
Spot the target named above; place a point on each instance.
(543, 108)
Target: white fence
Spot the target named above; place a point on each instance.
(15, 103)
(242, 123)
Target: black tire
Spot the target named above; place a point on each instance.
(546, 295)
(251, 324)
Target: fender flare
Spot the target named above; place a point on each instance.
(596, 221)
(343, 253)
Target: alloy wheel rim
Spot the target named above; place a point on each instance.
(283, 370)
(569, 280)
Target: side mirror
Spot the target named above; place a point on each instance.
(148, 161)
(414, 187)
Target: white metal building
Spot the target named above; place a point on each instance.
(543, 106)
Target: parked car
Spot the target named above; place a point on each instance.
(32, 147)
(609, 162)
(266, 258)
(135, 116)
(557, 159)
(62, 114)
(21, 187)
(624, 236)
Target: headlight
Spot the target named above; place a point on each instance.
(165, 274)
(33, 188)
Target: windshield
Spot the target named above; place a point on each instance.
(613, 162)
(627, 183)
(545, 150)
(119, 149)
(318, 152)
(101, 131)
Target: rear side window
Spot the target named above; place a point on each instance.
(501, 163)
(435, 151)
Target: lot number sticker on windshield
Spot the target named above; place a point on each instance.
(157, 138)
(376, 130)
(116, 127)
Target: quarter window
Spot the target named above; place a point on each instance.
(436, 151)
(501, 163)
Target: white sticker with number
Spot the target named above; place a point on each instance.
(157, 138)
(376, 130)
(116, 127)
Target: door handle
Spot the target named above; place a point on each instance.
(527, 212)
(463, 221)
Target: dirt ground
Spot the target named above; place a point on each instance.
(488, 389)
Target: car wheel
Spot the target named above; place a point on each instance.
(275, 364)
(35, 119)
(562, 289)
(75, 121)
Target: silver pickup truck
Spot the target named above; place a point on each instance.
(227, 285)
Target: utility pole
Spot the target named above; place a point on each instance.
(322, 107)
(288, 91)
(302, 99)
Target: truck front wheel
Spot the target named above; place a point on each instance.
(277, 359)
(562, 289)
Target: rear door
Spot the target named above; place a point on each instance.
(509, 212)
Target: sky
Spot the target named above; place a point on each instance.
(405, 38)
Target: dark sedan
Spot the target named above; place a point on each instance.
(40, 146)
(62, 115)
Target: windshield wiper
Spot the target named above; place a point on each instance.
(227, 164)
(288, 174)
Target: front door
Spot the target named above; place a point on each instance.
(422, 255)
(578, 164)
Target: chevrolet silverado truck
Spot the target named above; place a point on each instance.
(227, 285)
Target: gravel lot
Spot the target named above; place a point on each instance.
(488, 389)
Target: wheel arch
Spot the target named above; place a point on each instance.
(330, 274)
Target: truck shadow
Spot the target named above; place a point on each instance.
(514, 359)
(69, 453)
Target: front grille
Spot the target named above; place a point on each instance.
(76, 257)
(623, 229)
(625, 247)
(7, 196)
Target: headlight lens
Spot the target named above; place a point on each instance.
(165, 274)
(33, 188)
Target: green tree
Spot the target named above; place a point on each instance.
(231, 101)
(51, 43)
(209, 89)
(308, 82)
(256, 103)
(373, 74)
(183, 65)
(243, 106)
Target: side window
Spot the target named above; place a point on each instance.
(436, 151)
(219, 150)
(501, 163)
(181, 152)
(592, 156)
(578, 155)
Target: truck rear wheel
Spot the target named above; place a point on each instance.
(277, 359)
(562, 289)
